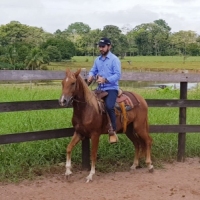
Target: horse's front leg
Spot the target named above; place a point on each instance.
(95, 143)
(75, 139)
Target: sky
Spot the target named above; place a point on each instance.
(52, 15)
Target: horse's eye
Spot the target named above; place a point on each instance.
(73, 84)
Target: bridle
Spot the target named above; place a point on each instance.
(78, 101)
(72, 99)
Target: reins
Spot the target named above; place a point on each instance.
(79, 101)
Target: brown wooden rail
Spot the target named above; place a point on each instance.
(26, 75)
(68, 132)
(53, 104)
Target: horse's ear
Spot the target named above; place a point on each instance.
(67, 71)
(77, 73)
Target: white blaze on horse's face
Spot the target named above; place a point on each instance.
(68, 89)
(62, 100)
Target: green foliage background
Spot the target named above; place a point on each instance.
(26, 47)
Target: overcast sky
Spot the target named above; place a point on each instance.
(59, 14)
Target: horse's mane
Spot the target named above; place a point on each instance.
(88, 94)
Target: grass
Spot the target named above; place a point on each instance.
(139, 63)
(25, 160)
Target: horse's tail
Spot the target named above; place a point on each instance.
(141, 142)
(144, 149)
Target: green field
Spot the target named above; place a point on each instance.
(139, 63)
(25, 160)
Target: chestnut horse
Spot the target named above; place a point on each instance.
(88, 121)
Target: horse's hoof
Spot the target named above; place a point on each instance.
(133, 167)
(151, 170)
(89, 179)
(68, 175)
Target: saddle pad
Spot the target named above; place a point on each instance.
(133, 98)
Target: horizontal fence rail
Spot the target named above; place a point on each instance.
(53, 104)
(68, 132)
(37, 135)
(28, 75)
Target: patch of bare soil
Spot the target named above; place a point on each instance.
(177, 181)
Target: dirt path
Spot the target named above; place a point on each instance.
(176, 181)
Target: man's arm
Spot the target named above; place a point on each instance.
(117, 71)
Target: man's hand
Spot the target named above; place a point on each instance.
(90, 79)
(101, 80)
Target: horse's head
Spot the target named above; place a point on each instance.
(68, 87)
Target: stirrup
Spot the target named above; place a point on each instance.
(113, 138)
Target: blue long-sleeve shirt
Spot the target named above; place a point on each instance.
(108, 67)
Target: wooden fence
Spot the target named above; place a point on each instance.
(182, 104)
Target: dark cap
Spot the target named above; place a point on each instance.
(104, 41)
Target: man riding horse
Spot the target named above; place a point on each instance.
(107, 69)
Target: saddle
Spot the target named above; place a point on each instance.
(125, 102)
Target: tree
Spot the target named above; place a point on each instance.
(181, 40)
(53, 53)
(76, 29)
(15, 33)
(151, 39)
(91, 40)
(132, 46)
(64, 46)
(23, 52)
(193, 49)
(162, 23)
(11, 55)
(34, 59)
(121, 48)
(58, 32)
(142, 39)
(114, 34)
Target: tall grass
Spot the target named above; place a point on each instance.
(24, 160)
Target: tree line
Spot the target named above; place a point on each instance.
(27, 47)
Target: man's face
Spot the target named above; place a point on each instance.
(104, 49)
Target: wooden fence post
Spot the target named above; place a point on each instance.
(86, 154)
(182, 120)
(86, 141)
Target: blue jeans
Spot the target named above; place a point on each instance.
(110, 100)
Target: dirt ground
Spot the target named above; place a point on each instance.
(175, 181)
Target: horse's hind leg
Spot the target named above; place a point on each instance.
(130, 132)
(145, 141)
(148, 154)
(75, 139)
